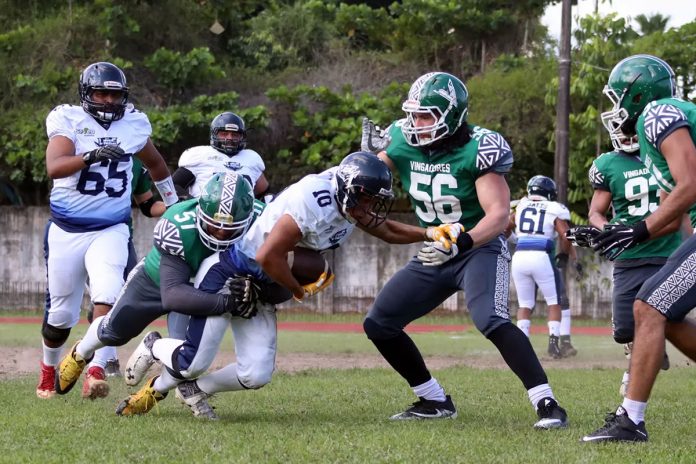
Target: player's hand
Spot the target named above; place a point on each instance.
(579, 270)
(617, 238)
(373, 138)
(325, 279)
(243, 295)
(561, 260)
(582, 236)
(105, 153)
(436, 254)
(446, 234)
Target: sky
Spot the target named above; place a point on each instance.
(679, 11)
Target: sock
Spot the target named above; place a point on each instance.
(554, 328)
(565, 322)
(635, 410)
(90, 342)
(165, 382)
(538, 393)
(224, 379)
(164, 349)
(524, 325)
(626, 377)
(519, 355)
(51, 356)
(430, 390)
(101, 356)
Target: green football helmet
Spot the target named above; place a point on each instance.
(440, 95)
(633, 83)
(225, 210)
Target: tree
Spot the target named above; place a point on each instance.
(652, 24)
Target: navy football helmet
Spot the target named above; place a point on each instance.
(228, 121)
(542, 186)
(103, 76)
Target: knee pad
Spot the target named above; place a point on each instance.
(54, 334)
(376, 331)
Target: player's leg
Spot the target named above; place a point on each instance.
(412, 292)
(486, 289)
(567, 348)
(66, 274)
(105, 260)
(526, 290)
(545, 278)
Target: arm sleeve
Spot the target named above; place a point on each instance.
(178, 295)
(661, 121)
(57, 123)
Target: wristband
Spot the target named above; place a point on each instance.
(146, 206)
(465, 242)
(167, 191)
(640, 232)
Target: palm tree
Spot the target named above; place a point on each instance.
(651, 24)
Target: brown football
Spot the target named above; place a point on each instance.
(307, 265)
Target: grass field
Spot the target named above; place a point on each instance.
(339, 414)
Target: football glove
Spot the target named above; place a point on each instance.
(446, 234)
(582, 236)
(617, 238)
(105, 153)
(373, 138)
(436, 254)
(324, 280)
(243, 294)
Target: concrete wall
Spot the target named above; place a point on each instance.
(362, 267)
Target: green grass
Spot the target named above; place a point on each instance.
(330, 415)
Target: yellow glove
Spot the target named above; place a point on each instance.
(325, 279)
(446, 234)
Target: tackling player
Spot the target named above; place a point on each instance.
(454, 172)
(89, 157)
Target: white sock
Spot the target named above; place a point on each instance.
(524, 325)
(164, 349)
(635, 410)
(538, 393)
(165, 382)
(554, 328)
(224, 379)
(51, 356)
(101, 356)
(90, 342)
(565, 322)
(430, 390)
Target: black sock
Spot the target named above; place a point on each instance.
(518, 353)
(403, 355)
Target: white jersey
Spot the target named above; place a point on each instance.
(99, 195)
(535, 223)
(312, 205)
(204, 161)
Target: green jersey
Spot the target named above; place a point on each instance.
(441, 184)
(659, 119)
(634, 195)
(176, 234)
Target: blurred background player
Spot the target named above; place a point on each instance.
(538, 219)
(89, 157)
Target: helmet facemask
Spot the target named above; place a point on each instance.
(106, 77)
(228, 146)
(618, 123)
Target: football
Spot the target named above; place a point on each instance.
(307, 265)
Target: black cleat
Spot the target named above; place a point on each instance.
(618, 427)
(551, 415)
(554, 350)
(567, 348)
(428, 409)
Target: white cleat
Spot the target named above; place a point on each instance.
(141, 360)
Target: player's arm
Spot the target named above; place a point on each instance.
(148, 205)
(396, 232)
(272, 256)
(261, 186)
(383, 156)
(60, 158)
(564, 245)
(599, 205)
(155, 164)
(494, 196)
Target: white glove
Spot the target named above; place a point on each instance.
(373, 138)
(435, 253)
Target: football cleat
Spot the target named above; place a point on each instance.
(551, 415)
(567, 348)
(113, 368)
(428, 409)
(69, 371)
(47, 380)
(95, 385)
(554, 349)
(141, 359)
(142, 401)
(617, 427)
(196, 399)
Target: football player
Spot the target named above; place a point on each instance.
(454, 172)
(642, 89)
(227, 151)
(89, 157)
(319, 212)
(187, 233)
(538, 219)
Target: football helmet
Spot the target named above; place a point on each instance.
(226, 204)
(542, 186)
(103, 76)
(228, 121)
(440, 95)
(633, 83)
(363, 180)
